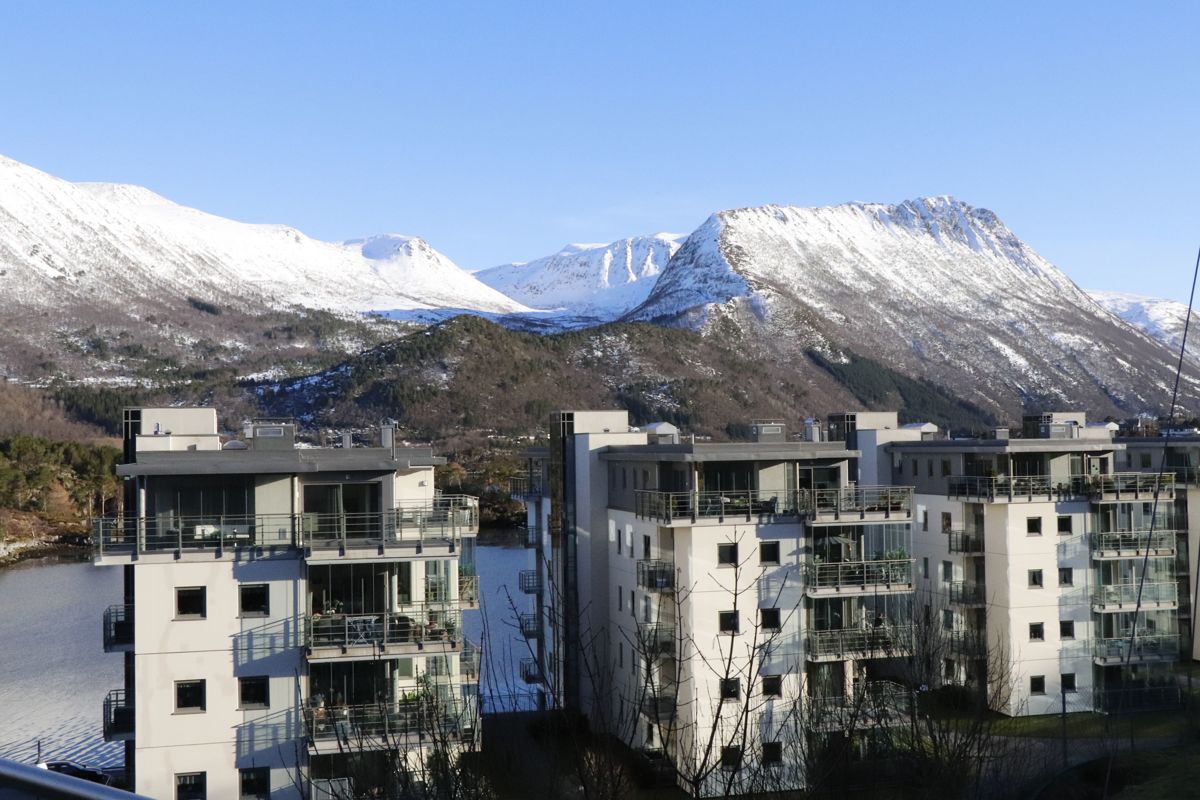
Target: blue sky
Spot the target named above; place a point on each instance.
(502, 131)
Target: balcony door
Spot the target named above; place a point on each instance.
(342, 510)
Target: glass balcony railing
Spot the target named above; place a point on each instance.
(656, 639)
(881, 641)
(1132, 544)
(1124, 596)
(1136, 649)
(382, 725)
(445, 519)
(1125, 486)
(690, 507)
(420, 626)
(861, 503)
(468, 590)
(970, 544)
(968, 593)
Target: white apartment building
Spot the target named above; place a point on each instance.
(699, 600)
(292, 616)
(1049, 562)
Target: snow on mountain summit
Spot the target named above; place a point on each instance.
(600, 281)
(1156, 317)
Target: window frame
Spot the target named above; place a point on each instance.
(266, 609)
(192, 709)
(727, 554)
(1033, 526)
(772, 754)
(729, 616)
(772, 685)
(203, 595)
(262, 779)
(731, 758)
(730, 689)
(765, 617)
(250, 681)
(198, 792)
(1037, 631)
(763, 555)
(1063, 682)
(1036, 681)
(1066, 629)
(1039, 582)
(1070, 521)
(1070, 575)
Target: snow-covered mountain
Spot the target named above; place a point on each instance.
(1162, 319)
(62, 244)
(598, 281)
(933, 287)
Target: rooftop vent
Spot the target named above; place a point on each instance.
(768, 430)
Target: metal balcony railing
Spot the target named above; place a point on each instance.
(469, 661)
(655, 575)
(118, 716)
(1006, 488)
(118, 628)
(381, 725)
(468, 590)
(445, 519)
(878, 703)
(1144, 647)
(659, 705)
(862, 502)
(968, 593)
(533, 537)
(423, 626)
(838, 576)
(1132, 544)
(531, 671)
(656, 639)
(761, 505)
(1124, 596)
(529, 581)
(883, 641)
(1137, 698)
(531, 625)
(966, 543)
(529, 486)
(1125, 486)
(967, 643)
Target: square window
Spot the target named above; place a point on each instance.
(1068, 681)
(770, 618)
(727, 554)
(254, 692)
(254, 600)
(1066, 629)
(731, 758)
(768, 553)
(731, 688)
(772, 752)
(1035, 579)
(1037, 632)
(772, 686)
(189, 696)
(191, 786)
(255, 783)
(1066, 576)
(1037, 684)
(1033, 526)
(190, 602)
(1064, 525)
(728, 621)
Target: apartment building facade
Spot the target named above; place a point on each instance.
(1049, 564)
(716, 606)
(292, 616)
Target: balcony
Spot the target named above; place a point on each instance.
(1121, 487)
(967, 544)
(387, 724)
(468, 590)
(656, 640)
(862, 503)
(531, 625)
(118, 629)
(469, 661)
(533, 537)
(883, 641)
(118, 716)
(1137, 698)
(655, 576)
(968, 593)
(531, 671)
(690, 508)
(529, 581)
(1124, 596)
(332, 635)
(829, 579)
(1005, 488)
(880, 703)
(526, 487)
(443, 521)
(967, 643)
(659, 705)
(1132, 544)
(1144, 648)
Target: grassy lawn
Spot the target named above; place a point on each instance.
(1159, 724)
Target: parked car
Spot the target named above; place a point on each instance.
(77, 770)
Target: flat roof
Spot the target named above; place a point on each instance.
(729, 451)
(1010, 445)
(274, 462)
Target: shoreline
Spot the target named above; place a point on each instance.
(14, 553)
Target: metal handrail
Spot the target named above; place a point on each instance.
(655, 574)
(446, 518)
(426, 626)
(118, 714)
(1125, 485)
(400, 718)
(1157, 645)
(530, 624)
(529, 581)
(888, 639)
(118, 626)
(890, 501)
(468, 589)
(964, 542)
(969, 643)
(655, 639)
(877, 702)
(659, 705)
(1135, 542)
(469, 660)
(531, 671)
(1009, 487)
(1126, 594)
(669, 507)
(968, 592)
(858, 574)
